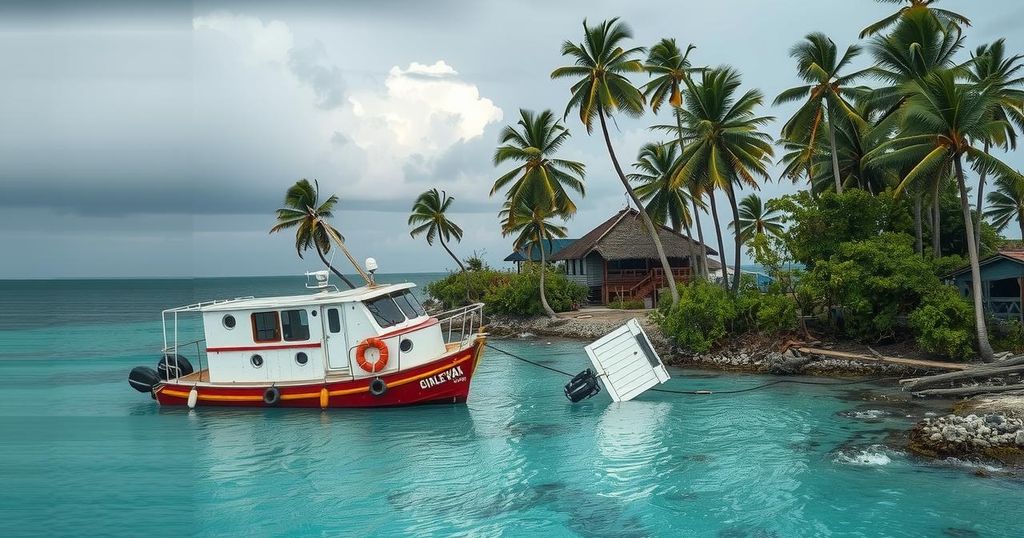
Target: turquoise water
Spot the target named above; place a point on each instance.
(82, 453)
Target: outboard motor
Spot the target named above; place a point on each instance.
(173, 366)
(582, 387)
(143, 378)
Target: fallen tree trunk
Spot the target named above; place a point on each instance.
(1009, 366)
(914, 363)
(971, 391)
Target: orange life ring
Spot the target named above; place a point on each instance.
(382, 361)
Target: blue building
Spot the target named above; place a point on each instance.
(1002, 283)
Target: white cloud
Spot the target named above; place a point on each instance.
(424, 110)
(266, 43)
(395, 133)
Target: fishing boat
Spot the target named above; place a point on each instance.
(371, 346)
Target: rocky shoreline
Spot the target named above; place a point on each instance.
(749, 354)
(990, 429)
(994, 436)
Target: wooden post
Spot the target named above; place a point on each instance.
(604, 284)
(1020, 293)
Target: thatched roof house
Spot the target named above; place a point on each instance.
(617, 259)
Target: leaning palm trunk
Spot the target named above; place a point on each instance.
(984, 348)
(700, 237)
(981, 201)
(702, 268)
(918, 225)
(333, 270)
(721, 245)
(691, 256)
(936, 223)
(543, 269)
(643, 213)
(344, 250)
(835, 157)
(736, 274)
(450, 253)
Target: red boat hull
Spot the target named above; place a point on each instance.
(445, 380)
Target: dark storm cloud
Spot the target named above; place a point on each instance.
(312, 66)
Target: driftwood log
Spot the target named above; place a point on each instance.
(974, 390)
(1013, 365)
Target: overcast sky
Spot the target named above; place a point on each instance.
(144, 140)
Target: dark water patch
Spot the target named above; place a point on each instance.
(959, 532)
(681, 497)
(699, 458)
(804, 447)
(525, 429)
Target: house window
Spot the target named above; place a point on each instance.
(265, 327)
(333, 321)
(385, 311)
(583, 267)
(295, 325)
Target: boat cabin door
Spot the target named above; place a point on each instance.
(334, 337)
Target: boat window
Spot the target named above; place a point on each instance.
(265, 327)
(333, 321)
(409, 305)
(295, 325)
(385, 311)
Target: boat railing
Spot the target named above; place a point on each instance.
(170, 316)
(460, 325)
(177, 348)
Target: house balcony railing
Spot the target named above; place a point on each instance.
(1004, 308)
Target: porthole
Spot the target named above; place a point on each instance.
(405, 345)
(256, 361)
(301, 358)
(229, 321)
(312, 313)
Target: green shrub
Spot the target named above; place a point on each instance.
(505, 292)
(627, 304)
(872, 283)
(820, 224)
(1006, 335)
(701, 317)
(944, 323)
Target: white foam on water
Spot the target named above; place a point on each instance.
(874, 455)
(957, 462)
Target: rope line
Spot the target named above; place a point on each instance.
(707, 392)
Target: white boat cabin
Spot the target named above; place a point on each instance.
(314, 336)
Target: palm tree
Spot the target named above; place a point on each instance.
(950, 118)
(428, 216)
(538, 177)
(990, 66)
(757, 218)
(725, 145)
(1007, 203)
(532, 227)
(602, 65)
(919, 45)
(942, 16)
(655, 165)
(304, 212)
(826, 93)
(670, 70)
(665, 203)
